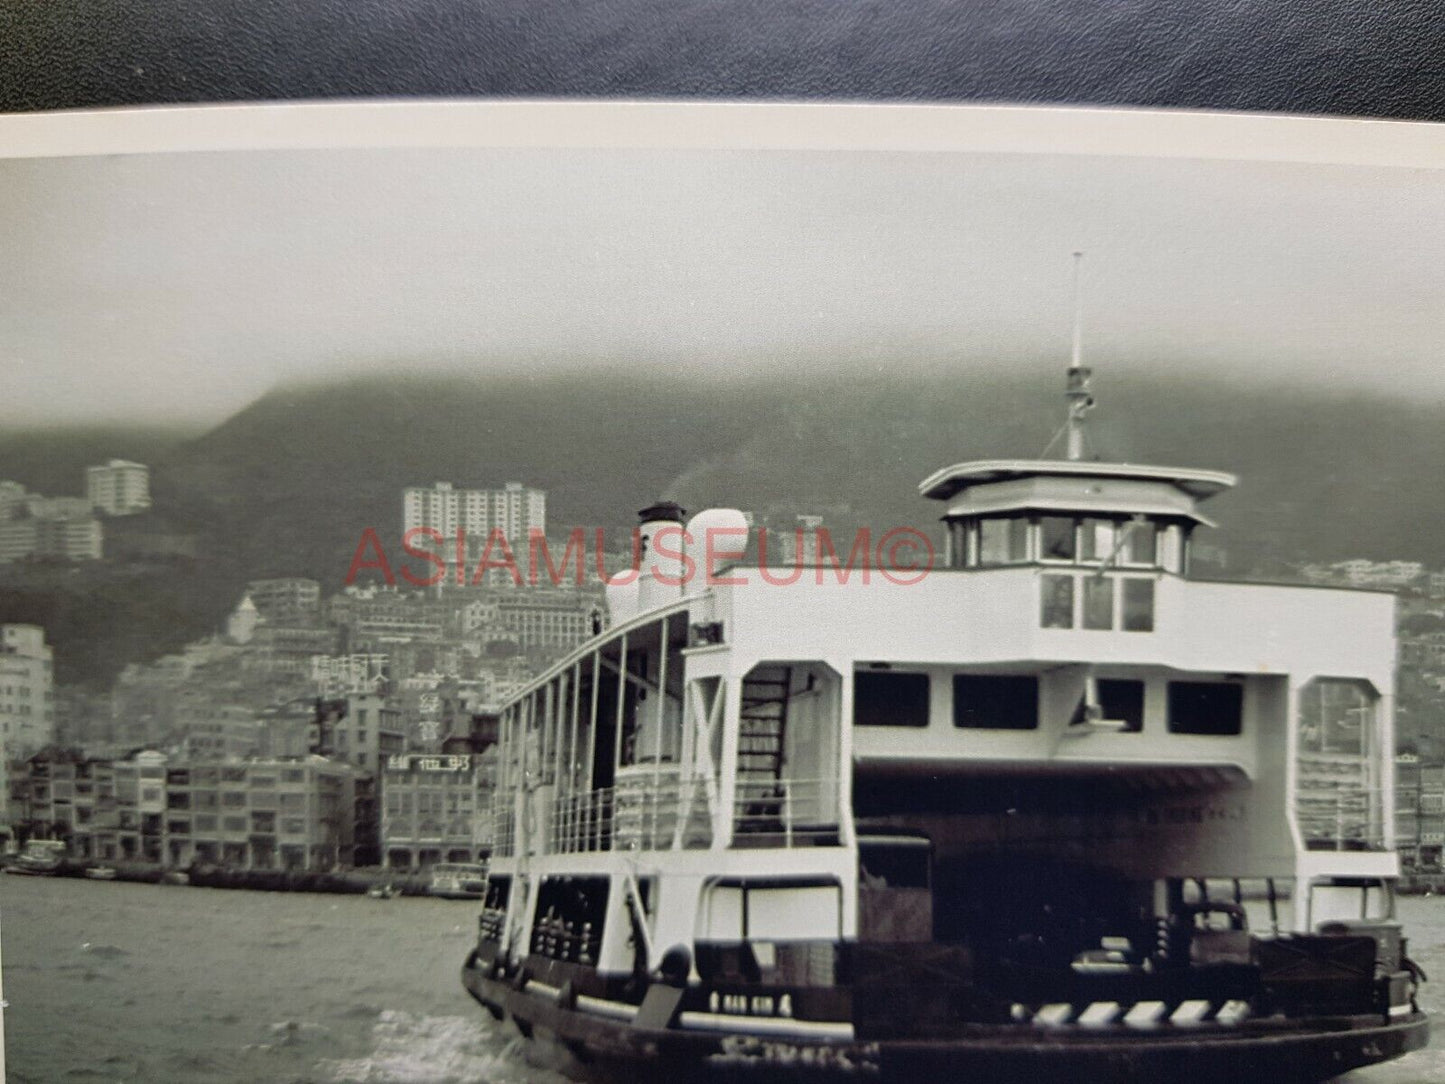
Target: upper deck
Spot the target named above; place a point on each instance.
(1055, 634)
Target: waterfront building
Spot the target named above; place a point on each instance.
(261, 814)
(288, 814)
(119, 488)
(436, 808)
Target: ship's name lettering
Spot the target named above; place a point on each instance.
(751, 1004)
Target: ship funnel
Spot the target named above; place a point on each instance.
(660, 567)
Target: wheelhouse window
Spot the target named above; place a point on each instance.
(1214, 708)
(996, 701)
(885, 698)
(1141, 543)
(1056, 538)
(1003, 541)
(1096, 540)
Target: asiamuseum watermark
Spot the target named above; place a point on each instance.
(899, 555)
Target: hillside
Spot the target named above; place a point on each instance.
(52, 459)
(287, 485)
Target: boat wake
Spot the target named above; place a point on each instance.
(416, 1049)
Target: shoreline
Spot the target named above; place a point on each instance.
(347, 882)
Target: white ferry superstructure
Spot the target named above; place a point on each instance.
(1010, 819)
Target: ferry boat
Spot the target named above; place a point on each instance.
(1056, 810)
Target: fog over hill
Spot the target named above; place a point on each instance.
(1322, 475)
(287, 485)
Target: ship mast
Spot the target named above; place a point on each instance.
(1078, 395)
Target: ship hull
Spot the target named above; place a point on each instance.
(588, 1045)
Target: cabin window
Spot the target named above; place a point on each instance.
(885, 698)
(1138, 605)
(1122, 700)
(1338, 802)
(1214, 708)
(1057, 602)
(1098, 602)
(996, 701)
(1056, 538)
(1003, 541)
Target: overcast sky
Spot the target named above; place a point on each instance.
(182, 286)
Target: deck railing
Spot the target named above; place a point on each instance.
(661, 810)
(1346, 818)
(583, 822)
(645, 811)
(784, 812)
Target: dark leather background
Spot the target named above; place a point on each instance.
(1368, 58)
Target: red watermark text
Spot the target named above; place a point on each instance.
(427, 558)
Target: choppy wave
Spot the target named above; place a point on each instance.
(416, 1049)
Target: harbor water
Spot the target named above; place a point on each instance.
(108, 981)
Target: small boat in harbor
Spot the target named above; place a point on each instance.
(458, 881)
(995, 823)
(100, 873)
(39, 858)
